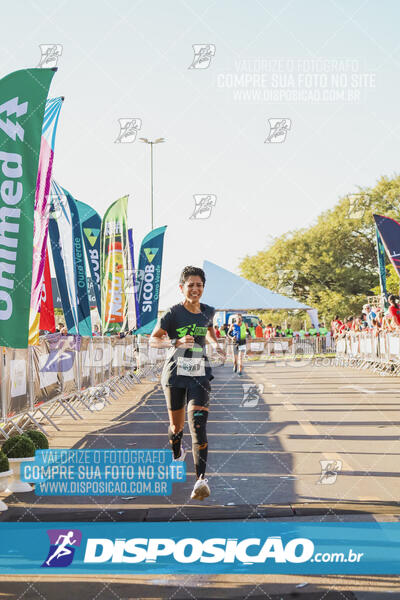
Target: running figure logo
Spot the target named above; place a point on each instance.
(50, 54)
(63, 543)
(278, 129)
(203, 205)
(329, 471)
(251, 394)
(203, 54)
(128, 129)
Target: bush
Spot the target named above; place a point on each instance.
(4, 464)
(19, 446)
(38, 438)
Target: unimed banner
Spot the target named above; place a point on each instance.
(22, 96)
(150, 262)
(114, 264)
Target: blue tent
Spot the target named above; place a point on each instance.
(226, 291)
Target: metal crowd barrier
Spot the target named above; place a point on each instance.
(376, 350)
(67, 374)
(268, 348)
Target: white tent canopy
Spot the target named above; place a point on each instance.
(226, 291)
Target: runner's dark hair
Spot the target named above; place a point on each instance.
(188, 271)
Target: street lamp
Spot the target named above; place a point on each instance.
(157, 141)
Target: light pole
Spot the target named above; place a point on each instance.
(157, 141)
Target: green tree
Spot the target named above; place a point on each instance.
(332, 264)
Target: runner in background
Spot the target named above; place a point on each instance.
(238, 332)
(187, 372)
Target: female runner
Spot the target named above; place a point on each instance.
(187, 373)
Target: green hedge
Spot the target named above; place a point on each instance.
(4, 464)
(38, 438)
(19, 446)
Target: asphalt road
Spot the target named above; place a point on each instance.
(313, 440)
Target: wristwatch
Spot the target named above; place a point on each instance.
(173, 343)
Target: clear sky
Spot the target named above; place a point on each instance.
(333, 65)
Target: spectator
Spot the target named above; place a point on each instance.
(279, 332)
(370, 315)
(364, 322)
(259, 330)
(222, 330)
(358, 324)
(335, 326)
(312, 331)
(96, 330)
(59, 327)
(394, 310)
(322, 329)
(288, 331)
(269, 332)
(217, 333)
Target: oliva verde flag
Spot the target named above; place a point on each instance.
(114, 265)
(149, 274)
(91, 225)
(23, 97)
(69, 260)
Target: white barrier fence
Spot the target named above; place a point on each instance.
(379, 351)
(291, 347)
(66, 374)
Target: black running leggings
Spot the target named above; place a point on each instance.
(197, 418)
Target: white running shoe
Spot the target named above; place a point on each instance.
(182, 455)
(201, 489)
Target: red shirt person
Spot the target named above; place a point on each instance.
(394, 310)
(269, 331)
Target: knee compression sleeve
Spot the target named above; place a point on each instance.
(197, 425)
(175, 439)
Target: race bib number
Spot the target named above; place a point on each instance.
(191, 367)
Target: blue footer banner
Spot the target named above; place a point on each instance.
(202, 547)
